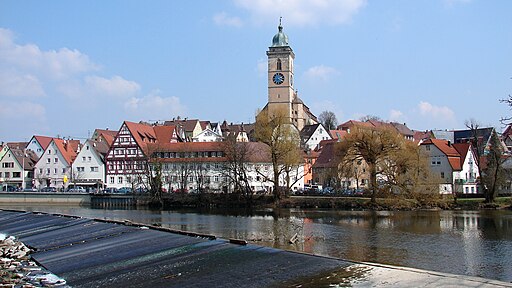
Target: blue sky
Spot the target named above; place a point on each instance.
(68, 67)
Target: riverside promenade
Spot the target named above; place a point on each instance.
(103, 253)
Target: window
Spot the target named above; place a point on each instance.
(80, 169)
(120, 180)
(83, 159)
(427, 147)
(48, 160)
(94, 169)
(442, 174)
(472, 189)
(467, 190)
(7, 174)
(111, 180)
(40, 171)
(49, 151)
(8, 165)
(56, 160)
(47, 171)
(63, 170)
(216, 178)
(279, 64)
(89, 158)
(54, 170)
(16, 174)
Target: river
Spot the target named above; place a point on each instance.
(474, 243)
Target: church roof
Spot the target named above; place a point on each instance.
(280, 39)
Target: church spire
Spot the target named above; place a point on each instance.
(280, 39)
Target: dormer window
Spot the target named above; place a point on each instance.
(279, 65)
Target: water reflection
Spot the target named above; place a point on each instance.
(477, 243)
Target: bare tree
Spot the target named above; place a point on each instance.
(328, 119)
(200, 176)
(183, 171)
(508, 101)
(494, 174)
(370, 118)
(283, 141)
(373, 146)
(235, 170)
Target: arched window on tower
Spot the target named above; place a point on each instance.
(279, 64)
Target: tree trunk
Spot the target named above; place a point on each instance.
(490, 193)
(373, 181)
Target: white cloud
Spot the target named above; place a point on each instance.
(21, 118)
(396, 115)
(115, 86)
(435, 116)
(302, 12)
(223, 19)
(52, 64)
(320, 72)
(427, 109)
(13, 84)
(154, 107)
(21, 110)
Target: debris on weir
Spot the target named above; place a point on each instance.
(17, 270)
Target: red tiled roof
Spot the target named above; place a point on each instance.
(44, 141)
(462, 149)
(204, 124)
(142, 133)
(449, 150)
(338, 134)
(352, 123)
(108, 135)
(327, 158)
(164, 133)
(422, 135)
(68, 149)
(17, 145)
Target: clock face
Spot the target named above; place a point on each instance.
(278, 78)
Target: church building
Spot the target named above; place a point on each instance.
(282, 95)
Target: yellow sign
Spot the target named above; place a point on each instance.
(65, 179)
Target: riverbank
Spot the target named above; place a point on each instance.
(326, 202)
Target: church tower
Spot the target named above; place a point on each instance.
(281, 93)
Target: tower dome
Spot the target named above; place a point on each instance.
(280, 39)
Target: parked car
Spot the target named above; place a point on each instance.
(77, 189)
(30, 189)
(110, 190)
(328, 191)
(124, 190)
(9, 188)
(49, 189)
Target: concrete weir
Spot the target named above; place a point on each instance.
(102, 253)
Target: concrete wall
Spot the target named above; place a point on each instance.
(45, 198)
